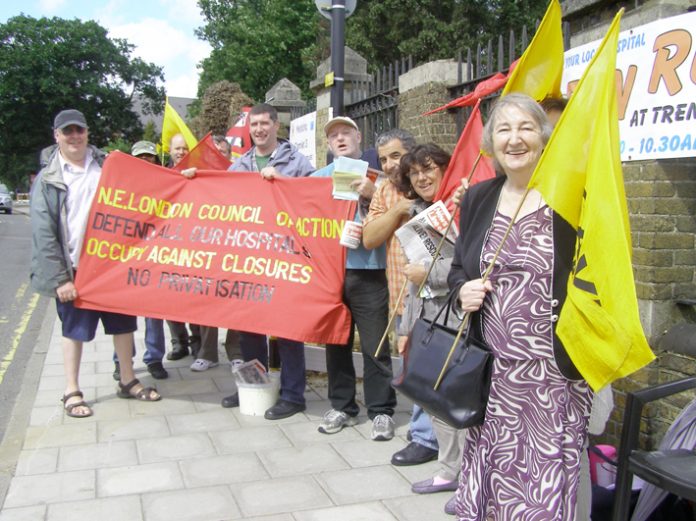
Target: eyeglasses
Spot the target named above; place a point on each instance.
(426, 172)
(73, 129)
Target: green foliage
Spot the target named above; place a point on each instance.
(257, 42)
(383, 31)
(118, 143)
(150, 133)
(49, 64)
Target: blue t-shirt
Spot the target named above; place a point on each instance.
(359, 258)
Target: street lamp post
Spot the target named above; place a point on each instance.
(339, 10)
(338, 38)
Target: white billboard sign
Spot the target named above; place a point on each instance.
(656, 86)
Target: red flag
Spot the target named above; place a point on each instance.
(240, 134)
(482, 90)
(204, 156)
(465, 155)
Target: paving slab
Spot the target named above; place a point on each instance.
(198, 504)
(138, 479)
(307, 459)
(105, 509)
(50, 488)
(289, 494)
(23, 514)
(222, 470)
(133, 429)
(249, 440)
(364, 512)
(97, 455)
(364, 484)
(187, 446)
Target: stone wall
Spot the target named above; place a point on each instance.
(422, 89)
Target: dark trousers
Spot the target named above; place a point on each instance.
(180, 335)
(292, 363)
(366, 294)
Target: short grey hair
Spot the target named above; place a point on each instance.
(526, 105)
(406, 138)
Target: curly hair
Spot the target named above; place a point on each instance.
(422, 156)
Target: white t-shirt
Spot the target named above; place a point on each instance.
(82, 185)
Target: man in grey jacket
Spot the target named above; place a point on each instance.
(273, 157)
(60, 207)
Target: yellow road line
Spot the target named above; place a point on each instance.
(21, 291)
(19, 331)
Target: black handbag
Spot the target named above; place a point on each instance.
(446, 371)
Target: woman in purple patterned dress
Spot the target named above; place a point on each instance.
(523, 462)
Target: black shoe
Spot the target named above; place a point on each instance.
(177, 353)
(413, 454)
(157, 371)
(283, 409)
(231, 401)
(117, 372)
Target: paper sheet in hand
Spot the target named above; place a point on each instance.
(347, 170)
(420, 237)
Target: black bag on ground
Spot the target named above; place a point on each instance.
(460, 399)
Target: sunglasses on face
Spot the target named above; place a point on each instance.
(73, 129)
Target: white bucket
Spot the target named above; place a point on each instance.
(255, 399)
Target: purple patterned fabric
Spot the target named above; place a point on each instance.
(523, 462)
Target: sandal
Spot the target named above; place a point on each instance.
(70, 406)
(144, 394)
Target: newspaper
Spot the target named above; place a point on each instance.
(420, 237)
(251, 372)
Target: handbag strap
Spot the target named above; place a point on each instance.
(460, 331)
(484, 278)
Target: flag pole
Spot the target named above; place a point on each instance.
(430, 269)
(484, 278)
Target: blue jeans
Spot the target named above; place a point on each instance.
(421, 428)
(292, 363)
(154, 341)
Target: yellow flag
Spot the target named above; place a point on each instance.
(579, 175)
(539, 70)
(172, 124)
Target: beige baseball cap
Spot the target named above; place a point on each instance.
(342, 120)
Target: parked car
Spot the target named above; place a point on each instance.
(5, 200)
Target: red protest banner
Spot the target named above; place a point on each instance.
(222, 249)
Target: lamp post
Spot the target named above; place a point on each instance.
(337, 11)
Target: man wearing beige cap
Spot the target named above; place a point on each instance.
(366, 295)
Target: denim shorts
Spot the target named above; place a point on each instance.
(81, 324)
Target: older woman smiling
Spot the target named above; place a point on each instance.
(523, 461)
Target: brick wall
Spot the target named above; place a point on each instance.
(438, 128)
(662, 206)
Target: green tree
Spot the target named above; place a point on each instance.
(257, 42)
(150, 132)
(49, 64)
(383, 31)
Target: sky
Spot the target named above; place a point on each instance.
(161, 30)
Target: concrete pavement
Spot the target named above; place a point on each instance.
(187, 458)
